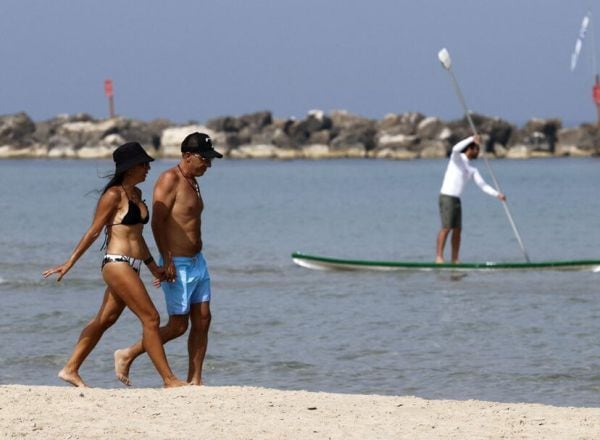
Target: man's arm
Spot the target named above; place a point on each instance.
(485, 187)
(462, 144)
(162, 204)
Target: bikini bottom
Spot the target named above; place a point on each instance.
(135, 263)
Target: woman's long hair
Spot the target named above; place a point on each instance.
(115, 180)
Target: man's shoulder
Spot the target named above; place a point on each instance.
(168, 177)
(458, 155)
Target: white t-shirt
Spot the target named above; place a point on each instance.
(459, 172)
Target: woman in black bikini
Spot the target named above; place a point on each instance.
(123, 213)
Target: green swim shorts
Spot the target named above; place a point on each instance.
(450, 211)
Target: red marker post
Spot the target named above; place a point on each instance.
(108, 91)
(596, 96)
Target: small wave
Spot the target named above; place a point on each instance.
(20, 283)
(24, 283)
(362, 354)
(546, 377)
(47, 360)
(249, 270)
(291, 365)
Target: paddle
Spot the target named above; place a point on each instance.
(444, 58)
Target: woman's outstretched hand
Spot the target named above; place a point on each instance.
(61, 270)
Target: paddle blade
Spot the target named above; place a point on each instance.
(444, 58)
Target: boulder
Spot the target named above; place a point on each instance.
(579, 141)
(360, 135)
(398, 141)
(498, 132)
(60, 146)
(393, 153)
(342, 119)
(316, 151)
(254, 151)
(16, 130)
(405, 123)
(518, 152)
(430, 128)
(500, 151)
(172, 137)
(62, 152)
(537, 135)
(226, 124)
(87, 133)
(433, 149)
(146, 133)
(99, 152)
(256, 120)
(33, 150)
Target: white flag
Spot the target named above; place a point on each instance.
(579, 42)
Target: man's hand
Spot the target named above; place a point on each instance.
(169, 268)
(502, 197)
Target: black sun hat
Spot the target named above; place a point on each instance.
(201, 144)
(129, 155)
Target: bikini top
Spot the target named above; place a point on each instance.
(132, 217)
(134, 214)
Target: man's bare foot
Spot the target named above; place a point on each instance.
(72, 377)
(196, 382)
(455, 262)
(173, 383)
(439, 260)
(122, 364)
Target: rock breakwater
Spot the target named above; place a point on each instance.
(318, 135)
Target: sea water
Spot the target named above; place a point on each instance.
(527, 336)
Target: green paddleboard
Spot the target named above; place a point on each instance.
(328, 263)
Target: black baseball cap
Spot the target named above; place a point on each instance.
(201, 144)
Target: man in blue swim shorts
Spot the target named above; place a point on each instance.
(176, 223)
(191, 285)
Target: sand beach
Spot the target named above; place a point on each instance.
(232, 412)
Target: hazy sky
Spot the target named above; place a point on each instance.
(195, 60)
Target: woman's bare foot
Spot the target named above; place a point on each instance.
(439, 259)
(122, 364)
(72, 377)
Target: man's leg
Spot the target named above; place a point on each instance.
(176, 326)
(441, 243)
(455, 244)
(198, 340)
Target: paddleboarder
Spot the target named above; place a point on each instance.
(458, 173)
(176, 221)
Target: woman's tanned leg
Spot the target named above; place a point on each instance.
(109, 312)
(126, 283)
